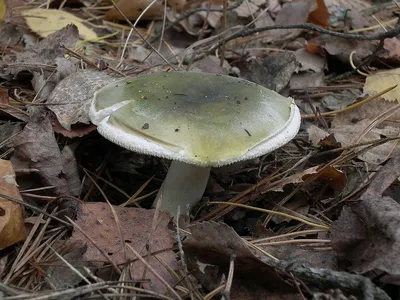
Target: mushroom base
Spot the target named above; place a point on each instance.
(183, 186)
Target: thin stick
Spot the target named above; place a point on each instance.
(155, 273)
(268, 211)
(299, 241)
(350, 107)
(142, 37)
(229, 280)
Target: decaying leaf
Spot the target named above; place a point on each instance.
(97, 221)
(334, 177)
(212, 243)
(133, 8)
(320, 15)
(47, 21)
(73, 95)
(45, 52)
(37, 148)
(12, 227)
(368, 235)
(309, 62)
(291, 13)
(350, 126)
(58, 274)
(273, 72)
(382, 80)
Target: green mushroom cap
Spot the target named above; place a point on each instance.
(198, 118)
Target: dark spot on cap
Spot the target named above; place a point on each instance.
(177, 129)
(146, 126)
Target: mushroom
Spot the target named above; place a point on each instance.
(198, 120)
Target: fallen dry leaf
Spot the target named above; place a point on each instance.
(96, 220)
(307, 79)
(246, 9)
(319, 16)
(382, 80)
(36, 148)
(334, 177)
(212, 243)
(341, 48)
(45, 52)
(290, 14)
(133, 8)
(47, 21)
(368, 235)
(72, 96)
(58, 274)
(12, 227)
(309, 62)
(273, 72)
(348, 127)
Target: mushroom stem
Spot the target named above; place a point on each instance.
(183, 186)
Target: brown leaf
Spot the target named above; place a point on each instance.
(4, 99)
(273, 72)
(59, 275)
(77, 130)
(133, 8)
(291, 13)
(368, 235)
(348, 127)
(384, 177)
(307, 79)
(12, 227)
(97, 221)
(319, 16)
(37, 148)
(46, 51)
(341, 48)
(214, 243)
(309, 61)
(335, 178)
(72, 96)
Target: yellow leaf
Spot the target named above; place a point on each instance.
(47, 21)
(3, 9)
(12, 227)
(383, 80)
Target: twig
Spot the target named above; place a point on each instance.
(37, 209)
(141, 36)
(226, 293)
(363, 63)
(190, 12)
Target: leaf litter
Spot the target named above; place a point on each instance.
(315, 219)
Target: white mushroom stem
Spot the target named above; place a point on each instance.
(183, 186)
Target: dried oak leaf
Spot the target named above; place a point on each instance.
(12, 227)
(70, 100)
(97, 221)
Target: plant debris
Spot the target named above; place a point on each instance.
(315, 219)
